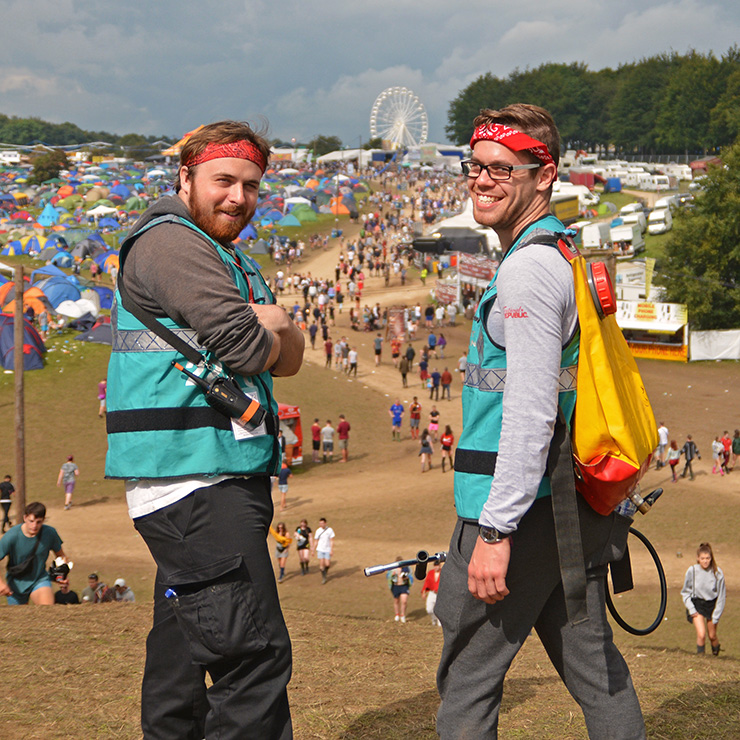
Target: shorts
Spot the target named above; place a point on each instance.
(282, 553)
(662, 448)
(433, 426)
(18, 599)
(343, 444)
(69, 487)
(328, 446)
(316, 443)
(378, 351)
(283, 487)
(399, 590)
(323, 554)
(414, 423)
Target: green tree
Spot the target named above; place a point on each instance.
(640, 91)
(324, 144)
(693, 89)
(375, 143)
(702, 263)
(725, 116)
(48, 164)
(486, 91)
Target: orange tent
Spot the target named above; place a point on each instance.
(33, 297)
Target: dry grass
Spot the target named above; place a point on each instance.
(75, 672)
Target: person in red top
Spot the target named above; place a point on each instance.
(727, 444)
(395, 351)
(447, 440)
(446, 381)
(316, 439)
(328, 346)
(343, 432)
(415, 413)
(429, 589)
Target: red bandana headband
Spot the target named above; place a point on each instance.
(511, 139)
(238, 149)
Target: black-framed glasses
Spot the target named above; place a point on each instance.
(473, 169)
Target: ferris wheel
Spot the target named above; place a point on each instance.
(399, 116)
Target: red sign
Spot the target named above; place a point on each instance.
(476, 266)
(445, 293)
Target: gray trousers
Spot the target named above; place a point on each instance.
(481, 640)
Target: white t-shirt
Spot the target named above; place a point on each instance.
(663, 435)
(323, 537)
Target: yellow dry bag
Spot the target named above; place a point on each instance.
(613, 430)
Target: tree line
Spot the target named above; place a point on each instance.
(664, 104)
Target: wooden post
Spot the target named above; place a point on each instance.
(20, 421)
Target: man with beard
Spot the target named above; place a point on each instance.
(197, 479)
(502, 578)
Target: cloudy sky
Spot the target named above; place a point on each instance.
(164, 66)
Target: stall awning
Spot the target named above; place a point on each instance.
(657, 327)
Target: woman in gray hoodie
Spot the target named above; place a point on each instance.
(704, 595)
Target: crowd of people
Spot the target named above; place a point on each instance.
(725, 453)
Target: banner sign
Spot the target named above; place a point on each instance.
(650, 311)
(476, 266)
(658, 351)
(445, 293)
(396, 324)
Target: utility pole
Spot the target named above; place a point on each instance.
(20, 420)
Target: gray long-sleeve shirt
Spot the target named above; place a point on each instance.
(172, 271)
(707, 585)
(534, 316)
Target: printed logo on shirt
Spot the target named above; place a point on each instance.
(515, 313)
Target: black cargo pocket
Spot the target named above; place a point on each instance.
(221, 621)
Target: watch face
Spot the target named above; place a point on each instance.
(490, 535)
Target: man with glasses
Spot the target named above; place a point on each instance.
(502, 577)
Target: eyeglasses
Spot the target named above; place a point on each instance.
(473, 169)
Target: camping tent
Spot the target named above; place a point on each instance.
(33, 345)
(58, 289)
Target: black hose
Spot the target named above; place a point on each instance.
(663, 592)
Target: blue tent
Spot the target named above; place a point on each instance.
(58, 289)
(63, 259)
(111, 223)
(49, 216)
(248, 232)
(289, 220)
(106, 295)
(613, 185)
(33, 345)
(46, 271)
(121, 190)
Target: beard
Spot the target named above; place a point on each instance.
(210, 218)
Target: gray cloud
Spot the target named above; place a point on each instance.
(163, 67)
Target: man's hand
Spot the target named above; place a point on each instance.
(5, 589)
(487, 570)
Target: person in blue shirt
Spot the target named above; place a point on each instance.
(31, 541)
(396, 414)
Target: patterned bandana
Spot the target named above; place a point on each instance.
(238, 149)
(511, 139)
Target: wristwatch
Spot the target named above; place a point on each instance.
(491, 535)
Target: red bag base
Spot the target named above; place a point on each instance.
(607, 482)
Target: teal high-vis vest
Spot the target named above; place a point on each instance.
(159, 423)
(482, 399)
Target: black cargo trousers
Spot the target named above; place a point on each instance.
(216, 612)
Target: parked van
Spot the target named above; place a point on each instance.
(630, 208)
(636, 217)
(660, 221)
(596, 236)
(628, 240)
(671, 202)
